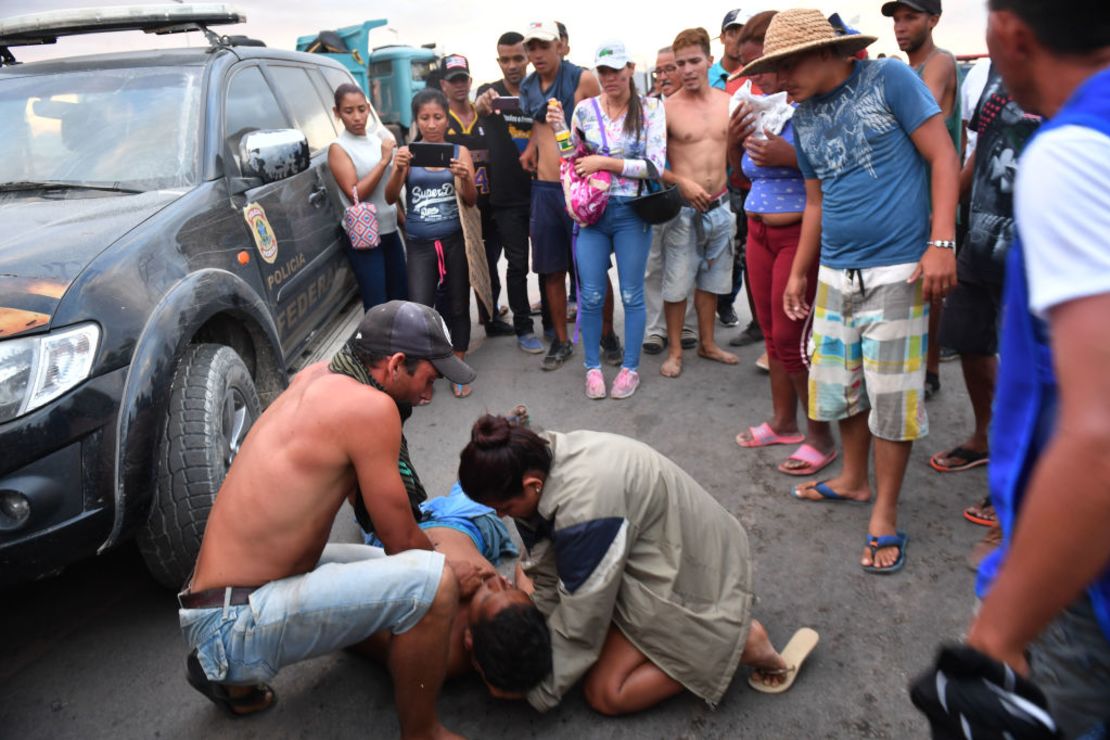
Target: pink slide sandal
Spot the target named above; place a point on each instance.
(764, 436)
(814, 460)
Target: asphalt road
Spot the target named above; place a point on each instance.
(96, 651)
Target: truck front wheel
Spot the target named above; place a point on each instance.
(213, 404)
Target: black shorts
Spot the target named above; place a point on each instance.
(970, 321)
(550, 228)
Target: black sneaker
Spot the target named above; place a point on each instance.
(727, 315)
(499, 328)
(655, 344)
(559, 353)
(752, 334)
(611, 347)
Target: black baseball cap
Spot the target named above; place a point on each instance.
(416, 330)
(932, 7)
(455, 65)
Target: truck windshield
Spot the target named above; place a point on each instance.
(134, 128)
(421, 70)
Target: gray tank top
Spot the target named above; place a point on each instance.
(366, 152)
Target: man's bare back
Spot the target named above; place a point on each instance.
(275, 509)
(697, 136)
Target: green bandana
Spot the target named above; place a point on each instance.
(346, 363)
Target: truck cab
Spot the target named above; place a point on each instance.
(389, 75)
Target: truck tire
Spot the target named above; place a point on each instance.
(213, 404)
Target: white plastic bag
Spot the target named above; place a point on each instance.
(771, 111)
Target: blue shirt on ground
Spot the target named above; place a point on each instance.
(874, 183)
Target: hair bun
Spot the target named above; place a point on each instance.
(490, 432)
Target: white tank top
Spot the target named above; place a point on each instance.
(366, 152)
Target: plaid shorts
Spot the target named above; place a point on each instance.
(870, 336)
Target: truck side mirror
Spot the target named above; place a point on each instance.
(273, 154)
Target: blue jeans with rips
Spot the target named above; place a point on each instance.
(354, 591)
(621, 232)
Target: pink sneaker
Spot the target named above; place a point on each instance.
(595, 384)
(626, 383)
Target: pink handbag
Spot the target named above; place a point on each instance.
(360, 221)
(586, 197)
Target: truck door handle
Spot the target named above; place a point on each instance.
(317, 196)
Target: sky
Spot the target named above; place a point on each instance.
(471, 27)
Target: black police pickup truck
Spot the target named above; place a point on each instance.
(170, 248)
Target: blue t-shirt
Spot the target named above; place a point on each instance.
(718, 76)
(874, 183)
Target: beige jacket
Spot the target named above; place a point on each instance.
(625, 536)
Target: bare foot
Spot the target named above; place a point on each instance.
(715, 353)
(842, 488)
(761, 655)
(672, 368)
(442, 733)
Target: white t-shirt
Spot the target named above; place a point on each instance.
(970, 92)
(1062, 208)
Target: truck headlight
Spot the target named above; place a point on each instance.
(36, 370)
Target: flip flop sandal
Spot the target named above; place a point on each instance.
(794, 655)
(219, 695)
(971, 458)
(815, 461)
(827, 494)
(460, 390)
(874, 544)
(975, 514)
(764, 436)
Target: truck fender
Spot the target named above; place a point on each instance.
(172, 325)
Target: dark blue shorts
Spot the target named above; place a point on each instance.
(550, 228)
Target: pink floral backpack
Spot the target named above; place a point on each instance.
(587, 196)
(360, 221)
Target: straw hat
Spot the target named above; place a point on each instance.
(799, 30)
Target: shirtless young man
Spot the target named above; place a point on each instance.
(697, 248)
(551, 225)
(265, 564)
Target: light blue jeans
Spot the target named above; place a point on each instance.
(620, 231)
(354, 591)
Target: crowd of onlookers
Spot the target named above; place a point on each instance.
(867, 208)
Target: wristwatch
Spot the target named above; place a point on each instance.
(942, 244)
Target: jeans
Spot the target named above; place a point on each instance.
(619, 231)
(739, 263)
(424, 279)
(380, 272)
(512, 225)
(354, 592)
(653, 289)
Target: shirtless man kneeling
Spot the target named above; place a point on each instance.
(697, 246)
(268, 590)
